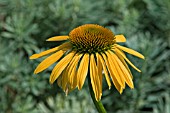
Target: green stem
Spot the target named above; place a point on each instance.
(98, 104)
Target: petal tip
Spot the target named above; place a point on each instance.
(49, 39)
(79, 87)
(58, 38)
(120, 38)
(51, 82)
(131, 86)
(98, 99)
(35, 72)
(121, 91)
(139, 71)
(143, 57)
(34, 56)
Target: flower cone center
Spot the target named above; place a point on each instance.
(91, 38)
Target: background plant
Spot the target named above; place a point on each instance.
(26, 24)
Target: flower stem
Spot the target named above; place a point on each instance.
(98, 104)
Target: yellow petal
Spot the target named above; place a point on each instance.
(130, 51)
(123, 55)
(63, 82)
(64, 45)
(74, 81)
(120, 38)
(105, 71)
(94, 78)
(114, 71)
(114, 80)
(82, 70)
(99, 66)
(59, 81)
(61, 66)
(72, 70)
(123, 61)
(49, 61)
(119, 71)
(123, 71)
(58, 38)
(64, 79)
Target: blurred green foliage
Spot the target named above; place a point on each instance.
(26, 24)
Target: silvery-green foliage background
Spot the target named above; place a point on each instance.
(26, 24)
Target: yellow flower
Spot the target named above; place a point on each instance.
(89, 49)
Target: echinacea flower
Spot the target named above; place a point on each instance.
(89, 49)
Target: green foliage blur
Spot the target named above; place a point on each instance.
(26, 24)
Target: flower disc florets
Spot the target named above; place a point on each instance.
(91, 38)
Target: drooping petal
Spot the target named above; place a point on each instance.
(122, 70)
(123, 55)
(120, 38)
(119, 72)
(114, 71)
(64, 45)
(64, 79)
(114, 80)
(123, 61)
(99, 66)
(82, 70)
(71, 66)
(58, 38)
(74, 81)
(63, 82)
(72, 71)
(130, 51)
(61, 66)
(49, 61)
(66, 86)
(105, 71)
(94, 78)
(59, 81)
